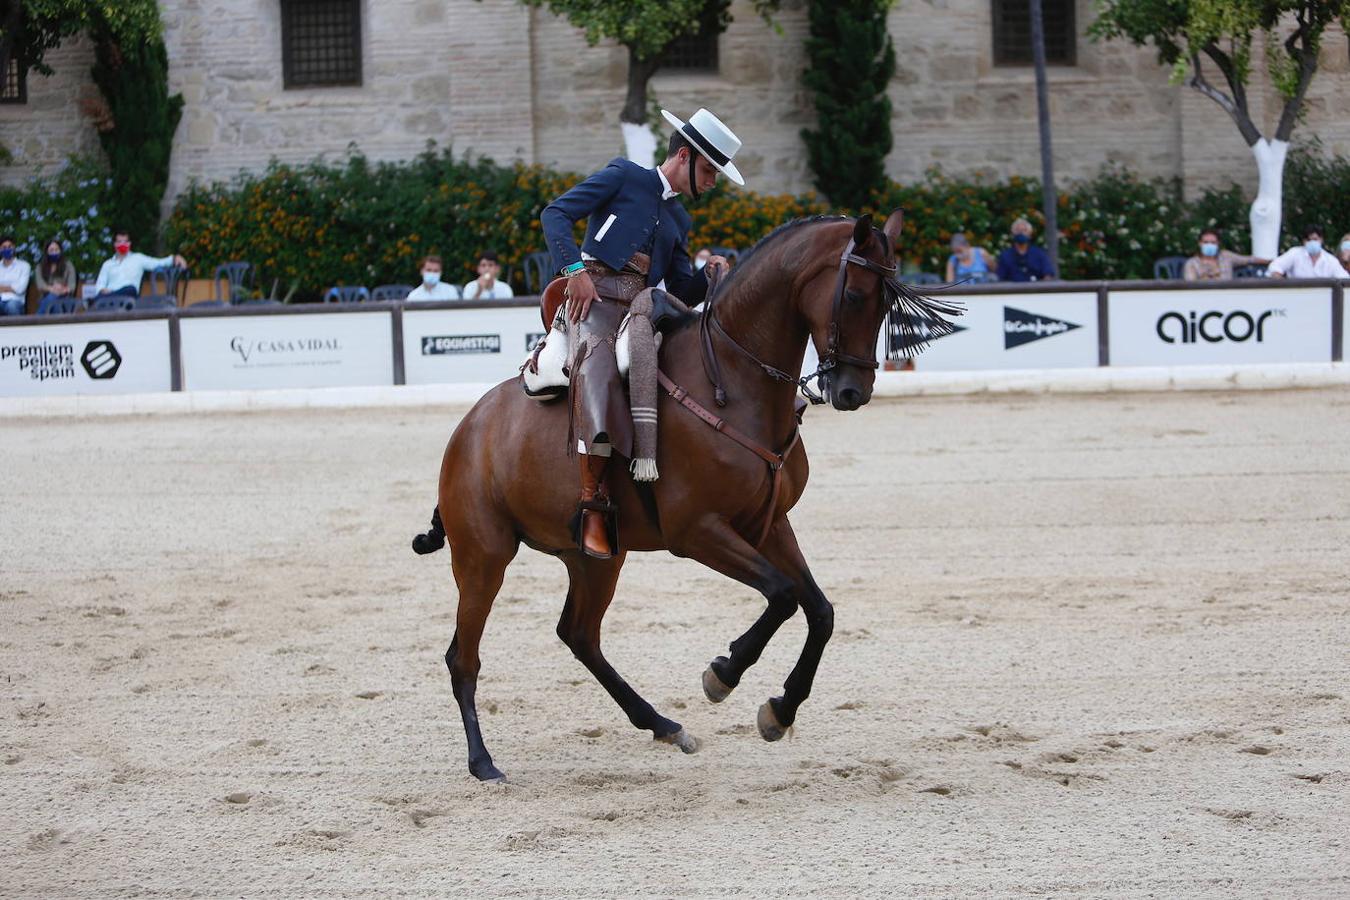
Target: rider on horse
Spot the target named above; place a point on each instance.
(637, 236)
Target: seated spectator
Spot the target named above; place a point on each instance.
(486, 286)
(1214, 264)
(701, 257)
(56, 274)
(967, 261)
(122, 273)
(1307, 260)
(432, 288)
(1022, 261)
(14, 275)
(1344, 256)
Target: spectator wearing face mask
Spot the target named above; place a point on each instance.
(1344, 255)
(122, 273)
(1024, 261)
(701, 257)
(1213, 263)
(55, 274)
(432, 288)
(486, 286)
(14, 275)
(1308, 260)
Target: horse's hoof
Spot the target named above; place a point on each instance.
(769, 727)
(713, 688)
(488, 774)
(682, 739)
(423, 544)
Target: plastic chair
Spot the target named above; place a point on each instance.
(347, 293)
(391, 292)
(59, 306)
(238, 274)
(174, 279)
(920, 278)
(114, 303)
(1168, 268)
(538, 272)
(156, 301)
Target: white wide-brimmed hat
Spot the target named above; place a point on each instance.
(715, 141)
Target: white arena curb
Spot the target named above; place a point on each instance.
(888, 384)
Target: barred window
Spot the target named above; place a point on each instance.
(15, 88)
(321, 42)
(694, 52)
(1012, 32)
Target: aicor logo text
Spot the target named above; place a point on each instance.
(1214, 326)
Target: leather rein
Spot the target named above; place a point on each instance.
(832, 357)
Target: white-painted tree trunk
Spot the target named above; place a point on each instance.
(639, 143)
(1265, 214)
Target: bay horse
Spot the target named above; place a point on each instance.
(507, 479)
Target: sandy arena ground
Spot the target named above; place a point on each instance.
(1091, 645)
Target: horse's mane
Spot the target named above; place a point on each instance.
(742, 264)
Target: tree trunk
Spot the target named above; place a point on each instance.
(639, 140)
(1266, 208)
(1049, 196)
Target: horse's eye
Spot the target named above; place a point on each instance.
(854, 296)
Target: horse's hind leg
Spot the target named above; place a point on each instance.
(589, 593)
(479, 570)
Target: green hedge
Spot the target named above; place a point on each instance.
(1113, 226)
(360, 222)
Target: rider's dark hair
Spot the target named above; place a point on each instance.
(677, 141)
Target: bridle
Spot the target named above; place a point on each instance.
(829, 360)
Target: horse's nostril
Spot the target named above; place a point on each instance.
(852, 397)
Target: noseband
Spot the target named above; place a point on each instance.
(832, 356)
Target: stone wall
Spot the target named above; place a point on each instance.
(51, 127)
(511, 82)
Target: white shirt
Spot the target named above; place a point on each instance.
(441, 291)
(666, 191)
(123, 271)
(1296, 263)
(500, 290)
(14, 276)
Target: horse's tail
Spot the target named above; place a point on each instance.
(433, 538)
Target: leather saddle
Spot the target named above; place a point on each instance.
(667, 311)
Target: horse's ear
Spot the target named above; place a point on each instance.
(862, 231)
(894, 222)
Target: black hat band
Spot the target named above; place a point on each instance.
(708, 149)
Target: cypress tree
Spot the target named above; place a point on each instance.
(852, 61)
(134, 82)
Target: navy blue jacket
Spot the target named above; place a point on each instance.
(1034, 265)
(623, 204)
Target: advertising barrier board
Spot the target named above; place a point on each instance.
(482, 345)
(1196, 327)
(85, 358)
(1017, 331)
(287, 351)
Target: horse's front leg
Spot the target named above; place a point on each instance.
(778, 571)
(778, 714)
(741, 561)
